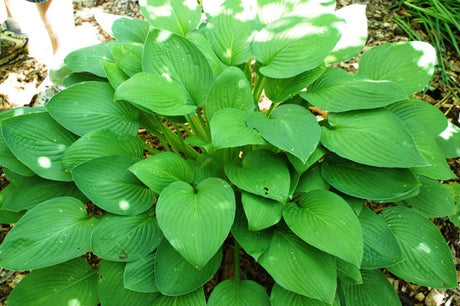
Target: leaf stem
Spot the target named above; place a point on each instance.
(236, 246)
(258, 88)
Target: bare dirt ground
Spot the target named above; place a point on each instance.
(20, 80)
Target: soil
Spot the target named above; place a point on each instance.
(19, 85)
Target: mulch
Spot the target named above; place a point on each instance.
(25, 74)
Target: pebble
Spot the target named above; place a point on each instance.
(420, 297)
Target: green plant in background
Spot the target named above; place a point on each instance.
(290, 187)
(440, 20)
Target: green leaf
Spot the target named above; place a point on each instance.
(70, 283)
(449, 141)
(139, 275)
(229, 129)
(338, 91)
(425, 115)
(7, 158)
(381, 249)
(174, 57)
(128, 56)
(424, 122)
(375, 290)
(433, 200)
(39, 142)
(454, 191)
(409, 64)
(90, 59)
(101, 143)
(372, 137)
(196, 298)
(354, 33)
(128, 29)
(199, 39)
(262, 173)
(292, 45)
(156, 93)
(254, 243)
(230, 33)
(196, 220)
(111, 290)
(162, 169)
(243, 293)
(261, 212)
(348, 273)
(52, 232)
(281, 297)
(115, 75)
(325, 221)
(376, 184)
(301, 167)
(283, 129)
(125, 238)
(107, 182)
(231, 89)
(92, 109)
(278, 90)
(176, 276)
(427, 258)
(179, 17)
(35, 190)
(311, 180)
(303, 269)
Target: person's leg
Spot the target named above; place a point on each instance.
(57, 16)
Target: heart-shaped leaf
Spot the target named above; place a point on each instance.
(92, 109)
(360, 181)
(176, 276)
(303, 269)
(262, 173)
(107, 182)
(196, 220)
(229, 129)
(101, 143)
(156, 93)
(174, 57)
(243, 293)
(202, 43)
(61, 284)
(231, 89)
(139, 275)
(52, 232)
(115, 74)
(292, 45)
(372, 137)
(325, 221)
(427, 258)
(449, 141)
(111, 290)
(410, 64)
(286, 129)
(178, 17)
(39, 142)
(375, 290)
(261, 212)
(162, 169)
(131, 237)
(381, 249)
(339, 91)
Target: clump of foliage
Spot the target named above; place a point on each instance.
(292, 188)
(440, 20)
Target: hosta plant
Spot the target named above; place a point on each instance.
(228, 122)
